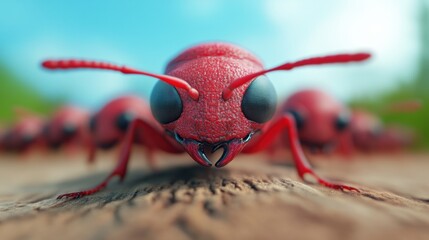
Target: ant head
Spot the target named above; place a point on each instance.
(66, 124)
(209, 68)
(366, 128)
(110, 124)
(212, 122)
(25, 132)
(364, 122)
(320, 118)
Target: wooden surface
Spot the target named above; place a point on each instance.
(249, 199)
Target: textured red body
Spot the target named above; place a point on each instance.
(365, 128)
(68, 127)
(369, 134)
(319, 112)
(106, 134)
(25, 135)
(395, 138)
(209, 68)
(213, 96)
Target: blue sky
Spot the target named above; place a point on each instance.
(146, 34)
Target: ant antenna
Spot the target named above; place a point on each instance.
(339, 58)
(76, 64)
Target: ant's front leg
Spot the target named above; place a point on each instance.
(286, 124)
(121, 167)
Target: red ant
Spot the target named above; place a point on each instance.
(395, 138)
(214, 96)
(110, 125)
(321, 120)
(24, 136)
(364, 129)
(368, 133)
(68, 127)
(324, 123)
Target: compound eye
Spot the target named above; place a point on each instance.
(124, 120)
(69, 129)
(342, 121)
(165, 103)
(260, 100)
(299, 119)
(92, 124)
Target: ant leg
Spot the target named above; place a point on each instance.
(121, 167)
(303, 167)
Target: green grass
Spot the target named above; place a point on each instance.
(14, 94)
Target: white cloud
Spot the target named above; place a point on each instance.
(386, 28)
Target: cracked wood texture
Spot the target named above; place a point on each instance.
(249, 199)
